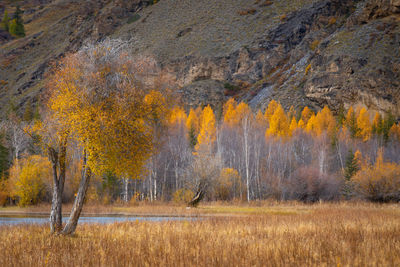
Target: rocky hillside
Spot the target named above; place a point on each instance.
(305, 52)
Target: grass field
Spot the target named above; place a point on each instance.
(344, 234)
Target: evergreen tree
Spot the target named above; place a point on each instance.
(351, 166)
(16, 26)
(6, 21)
(192, 137)
(341, 117)
(387, 124)
(351, 122)
(4, 159)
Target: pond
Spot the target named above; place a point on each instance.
(14, 219)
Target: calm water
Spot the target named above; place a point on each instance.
(7, 220)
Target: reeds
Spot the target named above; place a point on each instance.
(318, 235)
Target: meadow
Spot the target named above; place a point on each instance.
(259, 234)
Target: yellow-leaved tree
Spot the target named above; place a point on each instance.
(208, 130)
(306, 115)
(101, 95)
(269, 112)
(193, 126)
(325, 122)
(278, 123)
(230, 112)
(364, 125)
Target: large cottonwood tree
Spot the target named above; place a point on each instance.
(99, 95)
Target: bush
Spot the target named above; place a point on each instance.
(314, 45)
(250, 11)
(379, 182)
(182, 195)
(30, 179)
(309, 185)
(134, 18)
(228, 184)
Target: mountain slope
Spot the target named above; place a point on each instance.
(309, 52)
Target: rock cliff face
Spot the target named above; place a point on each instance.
(308, 52)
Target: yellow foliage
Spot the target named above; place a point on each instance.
(301, 124)
(293, 126)
(228, 184)
(235, 113)
(394, 132)
(379, 182)
(325, 122)
(291, 113)
(364, 125)
(193, 122)
(182, 195)
(229, 112)
(260, 120)
(311, 124)
(314, 46)
(279, 124)
(177, 116)
(272, 106)
(207, 133)
(359, 158)
(29, 178)
(306, 114)
(242, 112)
(308, 68)
(377, 120)
(113, 120)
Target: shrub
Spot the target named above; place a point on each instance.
(379, 182)
(309, 185)
(250, 11)
(182, 195)
(314, 45)
(30, 178)
(308, 68)
(332, 21)
(134, 18)
(228, 184)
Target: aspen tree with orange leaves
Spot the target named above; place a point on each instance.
(207, 135)
(278, 123)
(364, 125)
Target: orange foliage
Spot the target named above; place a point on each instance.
(306, 114)
(278, 124)
(379, 182)
(325, 122)
(364, 125)
(272, 106)
(208, 130)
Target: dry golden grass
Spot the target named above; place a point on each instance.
(319, 235)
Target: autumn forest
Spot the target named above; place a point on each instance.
(110, 138)
(117, 118)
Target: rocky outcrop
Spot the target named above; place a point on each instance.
(302, 53)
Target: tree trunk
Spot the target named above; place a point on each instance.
(201, 191)
(58, 186)
(54, 227)
(72, 223)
